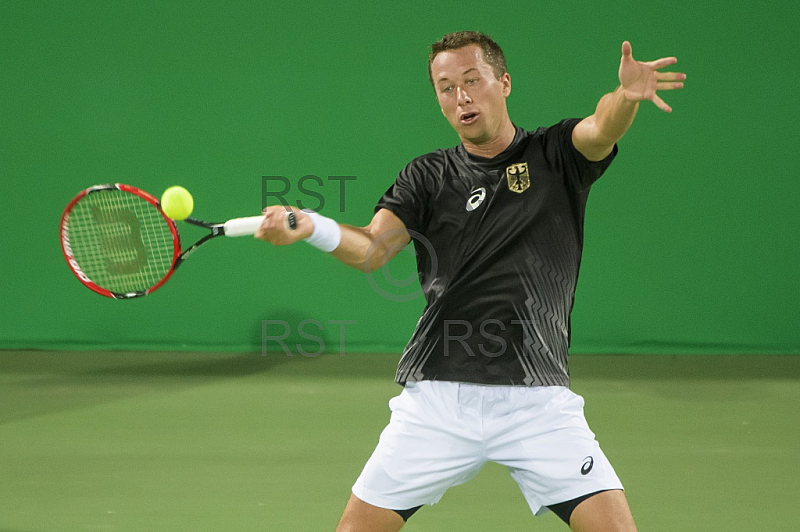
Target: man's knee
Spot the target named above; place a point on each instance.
(360, 516)
(605, 511)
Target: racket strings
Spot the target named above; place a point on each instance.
(120, 241)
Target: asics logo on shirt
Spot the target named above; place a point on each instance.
(476, 198)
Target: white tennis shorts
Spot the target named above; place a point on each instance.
(442, 433)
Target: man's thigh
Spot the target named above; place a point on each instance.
(549, 449)
(428, 447)
(607, 511)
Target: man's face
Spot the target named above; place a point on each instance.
(472, 98)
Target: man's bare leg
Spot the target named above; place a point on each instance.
(607, 511)
(360, 516)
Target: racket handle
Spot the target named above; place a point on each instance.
(243, 226)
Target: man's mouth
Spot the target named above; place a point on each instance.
(468, 118)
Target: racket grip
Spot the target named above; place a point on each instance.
(243, 226)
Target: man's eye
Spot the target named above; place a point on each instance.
(447, 89)
(471, 81)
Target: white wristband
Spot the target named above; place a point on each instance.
(327, 233)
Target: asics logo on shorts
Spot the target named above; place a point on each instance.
(588, 463)
(476, 198)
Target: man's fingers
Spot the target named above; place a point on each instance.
(640, 77)
(661, 104)
(661, 63)
(670, 76)
(669, 85)
(627, 50)
(273, 220)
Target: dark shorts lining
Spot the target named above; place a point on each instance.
(405, 514)
(564, 509)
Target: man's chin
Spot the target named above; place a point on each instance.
(474, 137)
(472, 132)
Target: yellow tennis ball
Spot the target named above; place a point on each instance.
(177, 203)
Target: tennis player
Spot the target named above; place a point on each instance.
(498, 226)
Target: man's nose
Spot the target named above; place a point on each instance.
(463, 97)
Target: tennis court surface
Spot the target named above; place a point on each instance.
(132, 441)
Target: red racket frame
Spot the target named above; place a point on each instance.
(75, 267)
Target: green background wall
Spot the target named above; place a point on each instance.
(691, 239)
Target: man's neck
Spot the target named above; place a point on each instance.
(494, 146)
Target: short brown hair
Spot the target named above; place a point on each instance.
(492, 53)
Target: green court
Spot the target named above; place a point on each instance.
(123, 441)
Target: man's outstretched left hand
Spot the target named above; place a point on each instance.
(641, 81)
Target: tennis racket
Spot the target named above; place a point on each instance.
(119, 243)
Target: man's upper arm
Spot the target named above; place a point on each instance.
(387, 227)
(587, 140)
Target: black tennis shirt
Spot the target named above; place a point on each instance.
(498, 244)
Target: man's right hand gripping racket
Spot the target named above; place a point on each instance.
(119, 243)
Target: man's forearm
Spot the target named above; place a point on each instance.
(363, 250)
(354, 248)
(613, 116)
(596, 135)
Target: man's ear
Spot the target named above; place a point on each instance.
(506, 80)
